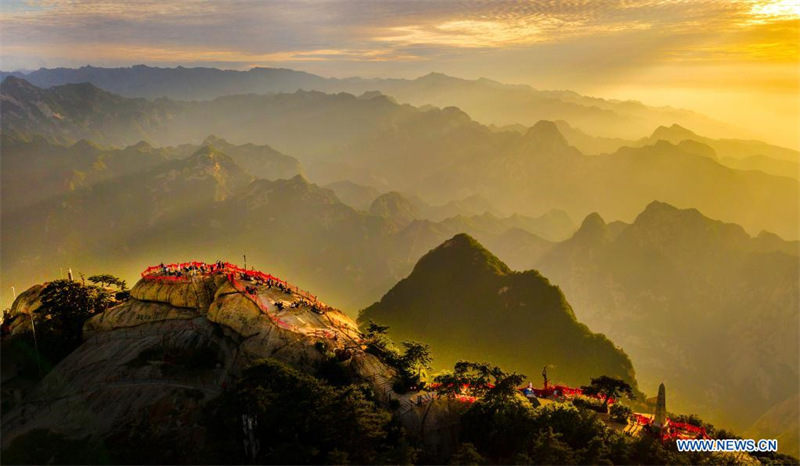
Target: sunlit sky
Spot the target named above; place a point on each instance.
(735, 60)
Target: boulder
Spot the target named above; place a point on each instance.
(26, 303)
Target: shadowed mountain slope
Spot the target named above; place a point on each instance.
(469, 305)
(698, 304)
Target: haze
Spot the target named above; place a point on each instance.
(735, 61)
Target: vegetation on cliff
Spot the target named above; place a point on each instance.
(466, 303)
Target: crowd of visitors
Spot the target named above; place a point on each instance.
(256, 278)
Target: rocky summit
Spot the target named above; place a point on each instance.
(184, 334)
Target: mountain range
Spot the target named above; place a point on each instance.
(488, 101)
(205, 201)
(695, 275)
(37, 170)
(542, 169)
(733, 153)
(439, 155)
(643, 284)
(697, 303)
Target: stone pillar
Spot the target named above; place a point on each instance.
(661, 407)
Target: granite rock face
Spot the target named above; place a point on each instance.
(178, 345)
(196, 293)
(25, 304)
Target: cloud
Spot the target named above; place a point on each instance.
(289, 30)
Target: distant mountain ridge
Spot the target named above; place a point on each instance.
(734, 153)
(312, 126)
(734, 148)
(697, 303)
(261, 161)
(395, 208)
(538, 172)
(440, 155)
(486, 100)
(37, 170)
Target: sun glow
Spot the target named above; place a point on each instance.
(777, 9)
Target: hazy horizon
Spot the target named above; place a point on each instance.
(735, 61)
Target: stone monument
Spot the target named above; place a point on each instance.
(661, 407)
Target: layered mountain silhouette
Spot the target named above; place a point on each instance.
(204, 204)
(75, 112)
(204, 201)
(439, 155)
(698, 304)
(468, 206)
(486, 100)
(765, 164)
(734, 153)
(362, 197)
(587, 143)
(106, 214)
(37, 170)
(666, 286)
(358, 186)
(644, 284)
(395, 208)
(357, 196)
(261, 161)
(733, 148)
(365, 139)
(542, 170)
(469, 305)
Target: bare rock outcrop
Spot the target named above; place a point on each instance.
(194, 292)
(25, 304)
(179, 343)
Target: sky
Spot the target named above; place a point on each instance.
(735, 60)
